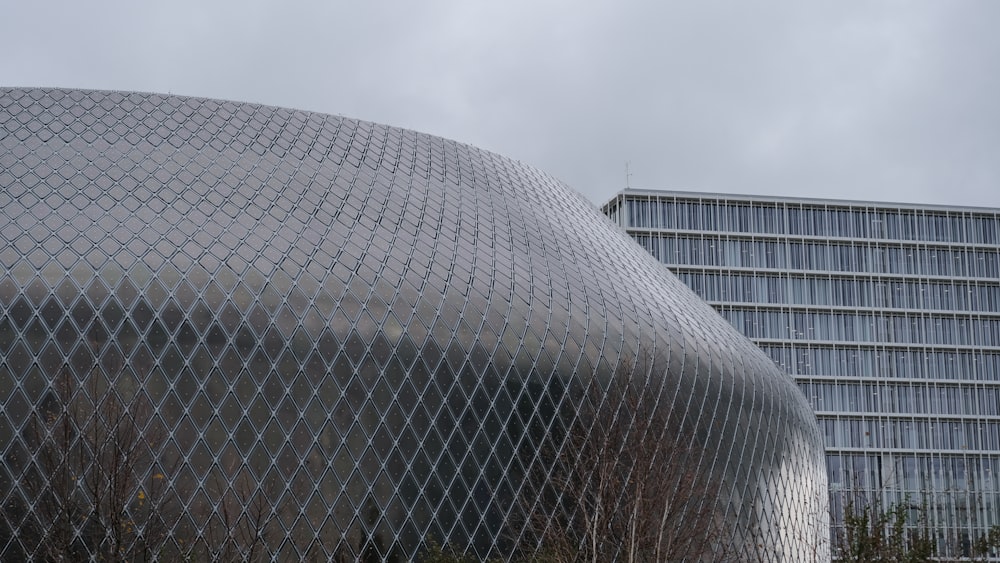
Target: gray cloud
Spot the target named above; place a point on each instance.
(876, 100)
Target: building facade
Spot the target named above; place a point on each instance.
(888, 317)
(231, 331)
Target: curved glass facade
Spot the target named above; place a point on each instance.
(888, 315)
(344, 337)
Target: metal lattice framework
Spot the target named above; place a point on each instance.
(358, 337)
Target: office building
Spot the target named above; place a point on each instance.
(887, 315)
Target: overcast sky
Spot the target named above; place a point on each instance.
(875, 100)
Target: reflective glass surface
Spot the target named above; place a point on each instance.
(888, 315)
(345, 337)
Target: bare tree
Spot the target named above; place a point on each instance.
(244, 524)
(813, 534)
(97, 488)
(622, 486)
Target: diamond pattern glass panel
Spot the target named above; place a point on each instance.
(345, 337)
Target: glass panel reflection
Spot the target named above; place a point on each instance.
(362, 338)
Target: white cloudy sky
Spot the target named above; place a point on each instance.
(877, 100)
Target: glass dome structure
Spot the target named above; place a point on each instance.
(345, 337)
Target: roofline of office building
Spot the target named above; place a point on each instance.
(804, 200)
